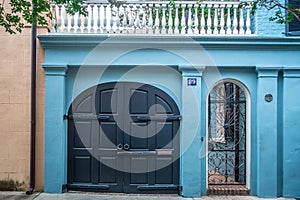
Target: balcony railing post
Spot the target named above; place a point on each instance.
(196, 29)
(235, 20)
(189, 19)
(163, 19)
(98, 19)
(144, 22)
(150, 21)
(228, 22)
(156, 25)
(104, 18)
(53, 19)
(202, 21)
(170, 20)
(241, 23)
(59, 24)
(216, 20)
(248, 22)
(176, 28)
(209, 31)
(222, 20)
(85, 21)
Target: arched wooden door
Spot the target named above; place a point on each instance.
(123, 137)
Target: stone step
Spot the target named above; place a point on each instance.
(227, 190)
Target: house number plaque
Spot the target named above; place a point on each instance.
(191, 81)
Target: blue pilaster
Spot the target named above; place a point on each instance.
(191, 143)
(55, 131)
(291, 133)
(267, 132)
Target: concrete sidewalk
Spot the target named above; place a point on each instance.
(95, 196)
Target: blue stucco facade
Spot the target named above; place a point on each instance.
(260, 65)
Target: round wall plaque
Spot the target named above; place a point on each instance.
(268, 97)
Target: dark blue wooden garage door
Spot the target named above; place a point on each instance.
(123, 137)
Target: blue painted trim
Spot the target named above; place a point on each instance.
(55, 129)
(267, 124)
(190, 174)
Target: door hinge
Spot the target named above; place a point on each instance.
(66, 117)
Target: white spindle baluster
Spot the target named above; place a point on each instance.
(92, 28)
(235, 20)
(183, 19)
(176, 21)
(111, 20)
(196, 30)
(53, 19)
(143, 25)
(189, 20)
(228, 21)
(72, 24)
(130, 17)
(79, 23)
(216, 21)
(59, 18)
(65, 30)
(137, 19)
(105, 18)
(248, 22)
(124, 30)
(85, 21)
(202, 21)
(98, 18)
(241, 24)
(150, 23)
(209, 19)
(222, 21)
(163, 19)
(170, 21)
(118, 19)
(156, 19)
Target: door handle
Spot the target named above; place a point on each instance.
(120, 146)
(126, 147)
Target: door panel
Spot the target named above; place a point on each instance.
(117, 132)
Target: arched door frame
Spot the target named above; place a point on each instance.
(248, 127)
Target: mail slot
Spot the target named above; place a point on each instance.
(164, 152)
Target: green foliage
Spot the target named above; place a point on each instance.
(16, 13)
(284, 13)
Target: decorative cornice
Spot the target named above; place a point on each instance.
(55, 69)
(191, 71)
(267, 72)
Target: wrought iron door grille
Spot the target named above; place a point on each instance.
(227, 135)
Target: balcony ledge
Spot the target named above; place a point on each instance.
(174, 41)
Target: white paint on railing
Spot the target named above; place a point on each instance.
(135, 17)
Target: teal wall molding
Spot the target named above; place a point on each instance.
(267, 132)
(55, 172)
(191, 144)
(290, 132)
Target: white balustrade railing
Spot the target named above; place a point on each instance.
(156, 17)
